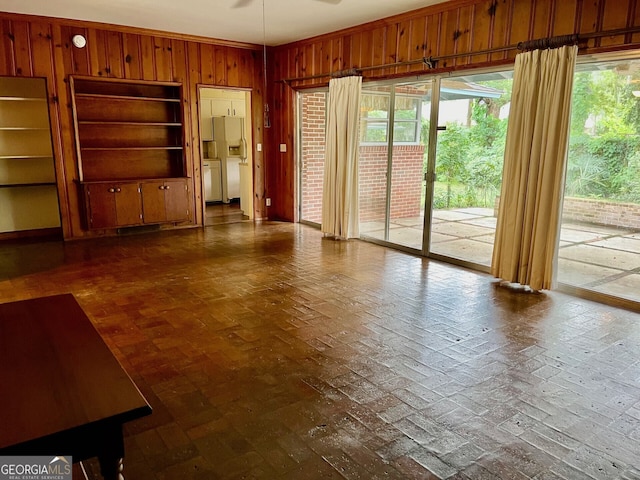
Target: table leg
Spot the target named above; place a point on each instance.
(111, 468)
(112, 453)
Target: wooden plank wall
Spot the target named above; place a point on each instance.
(459, 26)
(41, 47)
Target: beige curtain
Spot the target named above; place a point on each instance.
(525, 248)
(340, 208)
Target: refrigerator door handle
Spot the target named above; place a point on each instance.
(243, 149)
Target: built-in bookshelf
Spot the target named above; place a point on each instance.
(28, 190)
(130, 133)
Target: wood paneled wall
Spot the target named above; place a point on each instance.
(459, 26)
(41, 47)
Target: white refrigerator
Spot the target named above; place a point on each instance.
(231, 146)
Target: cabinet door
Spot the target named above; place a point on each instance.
(221, 107)
(113, 205)
(238, 107)
(176, 200)
(128, 204)
(153, 204)
(101, 206)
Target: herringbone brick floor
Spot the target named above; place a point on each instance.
(267, 351)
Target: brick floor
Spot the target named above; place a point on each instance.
(268, 351)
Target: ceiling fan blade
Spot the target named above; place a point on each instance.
(241, 3)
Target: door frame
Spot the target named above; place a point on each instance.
(248, 129)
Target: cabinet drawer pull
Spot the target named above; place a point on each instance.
(118, 190)
(112, 190)
(166, 187)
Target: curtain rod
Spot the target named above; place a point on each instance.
(430, 62)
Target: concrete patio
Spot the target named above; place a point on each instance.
(596, 257)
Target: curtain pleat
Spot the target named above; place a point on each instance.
(340, 207)
(528, 226)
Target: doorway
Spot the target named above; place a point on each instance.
(226, 158)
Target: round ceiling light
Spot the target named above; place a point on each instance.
(79, 41)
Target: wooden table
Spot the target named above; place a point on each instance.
(63, 391)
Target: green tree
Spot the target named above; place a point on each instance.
(582, 102)
(604, 138)
(453, 149)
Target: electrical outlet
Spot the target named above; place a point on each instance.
(283, 147)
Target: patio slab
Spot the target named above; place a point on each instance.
(625, 287)
(597, 257)
(601, 256)
(461, 229)
(409, 237)
(453, 215)
(409, 222)
(489, 222)
(466, 249)
(481, 211)
(580, 274)
(578, 236)
(489, 238)
(441, 237)
(367, 227)
(627, 244)
(601, 229)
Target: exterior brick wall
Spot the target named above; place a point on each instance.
(596, 212)
(601, 212)
(313, 148)
(406, 181)
(406, 185)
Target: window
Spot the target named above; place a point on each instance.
(374, 121)
(406, 119)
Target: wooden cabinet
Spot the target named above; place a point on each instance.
(130, 134)
(28, 191)
(126, 204)
(113, 204)
(165, 201)
(224, 107)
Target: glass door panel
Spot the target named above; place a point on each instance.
(472, 125)
(373, 161)
(312, 108)
(412, 105)
(600, 232)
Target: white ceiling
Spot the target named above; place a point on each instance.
(285, 20)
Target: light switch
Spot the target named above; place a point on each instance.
(259, 147)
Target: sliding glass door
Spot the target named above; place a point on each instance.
(472, 123)
(430, 163)
(430, 167)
